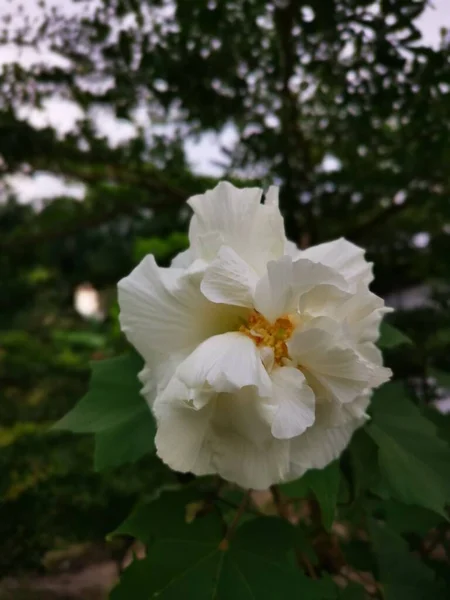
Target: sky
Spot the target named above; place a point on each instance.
(202, 153)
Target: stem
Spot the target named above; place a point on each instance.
(234, 505)
(224, 544)
(281, 506)
(283, 510)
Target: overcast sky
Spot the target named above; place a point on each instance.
(62, 115)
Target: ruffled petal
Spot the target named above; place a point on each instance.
(328, 363)
(363, 313)
(278, 291)
(245, 451)
(295, 401)
(320, 445)
(343, 256)
(234, 217)
(183, 259)
(229, 279)
(182, 431)
(227, 363)
(163, 312)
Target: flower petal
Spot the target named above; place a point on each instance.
(229, 279)
(296, 403)
(320, 445)
(279, 290)
(327, 361)
(343, 256)
(183, 259)
(163, 312)
(182, 431)
(234, 217)
(363, 312)
(227, 363)
(245, 452)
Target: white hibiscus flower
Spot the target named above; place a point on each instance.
(260, 358)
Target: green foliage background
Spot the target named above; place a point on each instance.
(298, 82)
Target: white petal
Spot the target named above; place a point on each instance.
(163, 312)
(227, 363)
(334, 414)
(374, 356)
(245, 452)
(225, 210)
(278, 292)
(271, 196)
(292, 250)
(296, 402)
(323, 300)
(347, 258)
(183, 259)
(234, 217)
(229, 279)
(339, 369)
(363, 312)
(182, 432)
(320, 445)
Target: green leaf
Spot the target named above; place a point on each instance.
(126, 442)
(114, 410)
(403, 518)
(442, 378)
(88, 339)
(415, 462)
(403, 576)
(390, 337)
(190, 560)
(352, 592)
(324, 484)
(363, 454)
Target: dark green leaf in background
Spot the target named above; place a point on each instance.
(324, 484)
(190, 561)
(403, 575)
(115, 411)
(414, 460)
(390, 337)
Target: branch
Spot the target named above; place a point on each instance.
(298, 162)
(375, 221)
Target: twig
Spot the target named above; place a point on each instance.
(283, 510)
(281, 506)
(235, 522)
(236, 506)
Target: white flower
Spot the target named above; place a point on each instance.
(260, 358)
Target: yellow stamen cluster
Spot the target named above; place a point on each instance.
(273, 335)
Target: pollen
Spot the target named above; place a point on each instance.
(273, 335)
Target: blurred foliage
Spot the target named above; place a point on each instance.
(343, 82)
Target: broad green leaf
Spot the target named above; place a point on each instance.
(126, 442)
(403, 575)
(363, 456)
(114, 410)
(441, 422)
(390, 337)
(402, 518)
(442, 378)
(415, 462)
(113, 396)
(88, 339)
(352, 592)
(190, 561)
(324, 484)
(166, 517)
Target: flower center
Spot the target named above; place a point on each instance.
(273, 335)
